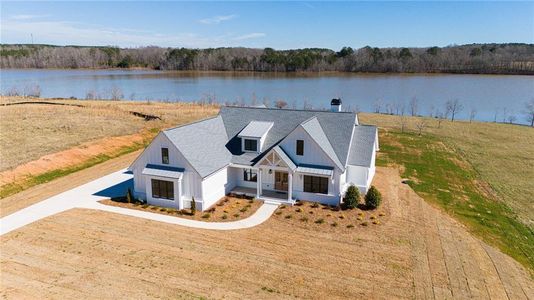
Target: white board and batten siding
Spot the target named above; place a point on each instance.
(214, 187)
(191, 185)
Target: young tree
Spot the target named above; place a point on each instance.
(193, 206)
(453, 107)
(472, 115)
(373, 198)
(512, 119)
(129, 196)
(352, 197)
(403, 121)
(529, 112)
(377, 105)
(116, 93)
(413, 106)
(421, 125)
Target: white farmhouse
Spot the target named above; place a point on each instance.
(278, 155)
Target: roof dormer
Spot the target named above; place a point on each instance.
(253, 136)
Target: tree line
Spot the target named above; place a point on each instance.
(473, 59)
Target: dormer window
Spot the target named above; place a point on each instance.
(165, 156)
(300, 147)
(254, 134)
(250, 145)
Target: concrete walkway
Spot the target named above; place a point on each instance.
(113, 185)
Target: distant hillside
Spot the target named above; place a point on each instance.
(474, 59)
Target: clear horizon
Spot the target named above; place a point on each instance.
(279, 25)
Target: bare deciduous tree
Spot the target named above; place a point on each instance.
(472, 115)
(440, 116)
(453, 107)
(116, 93)
(512, 119)
(414, 106)
(420, 124)
(377, 105)
(403, 121)
(280, 104)
(529, 112)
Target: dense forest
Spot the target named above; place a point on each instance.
(473, 58)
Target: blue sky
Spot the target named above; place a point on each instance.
(281, 25)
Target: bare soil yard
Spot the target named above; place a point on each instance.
(419, 252)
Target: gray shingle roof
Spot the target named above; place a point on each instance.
(363, 143)
(314, 129)
(202, 144)
(337, 126)
(212, 144)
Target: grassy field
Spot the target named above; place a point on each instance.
(502, 156)
(41, 142)
(457, 168)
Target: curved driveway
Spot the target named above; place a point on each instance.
(112, 185)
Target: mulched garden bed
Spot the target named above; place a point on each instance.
(229, 208)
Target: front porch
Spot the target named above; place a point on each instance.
(266, 195)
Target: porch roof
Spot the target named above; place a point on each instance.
(163, 171)
(315, 169)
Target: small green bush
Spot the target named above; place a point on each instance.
(206, 216)
(334, 224)
(350, 226)
(304, 219)
(236, 215)
(193, 206)
(319, 221)
(278, 213)
(352, 197)
(224, 217)
(288, 216)
(373, 198)
(315, 205)
(244, 209)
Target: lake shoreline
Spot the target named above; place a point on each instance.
(280, 73)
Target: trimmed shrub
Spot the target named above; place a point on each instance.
(288, 216)
(206, 216)
(373, 198)
(352, 197)
(129, 196)
(304, 219)
(224, 217)
(193, 206)
(350, 226)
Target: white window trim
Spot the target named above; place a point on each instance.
(250, 138)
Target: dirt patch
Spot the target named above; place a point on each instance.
(418, 253)
(225, 210)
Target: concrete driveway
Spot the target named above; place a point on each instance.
(113, 185)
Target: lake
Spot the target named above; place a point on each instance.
(487, 94)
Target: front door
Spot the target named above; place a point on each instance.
(280, 181)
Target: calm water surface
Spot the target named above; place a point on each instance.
(488, 94)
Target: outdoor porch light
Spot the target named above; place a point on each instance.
(270, 171)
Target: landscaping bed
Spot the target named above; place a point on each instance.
(229, 208)
(317, 216)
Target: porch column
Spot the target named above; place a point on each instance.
(180, 199)
(258, 188)
(290, 186)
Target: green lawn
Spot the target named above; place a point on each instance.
(445, 179)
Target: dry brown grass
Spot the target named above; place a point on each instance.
(40, 142)
(418, 253)
(502, 155)
(30, 131)
(225, 210)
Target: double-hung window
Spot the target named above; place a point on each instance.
(300, 147)
(165, 156)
